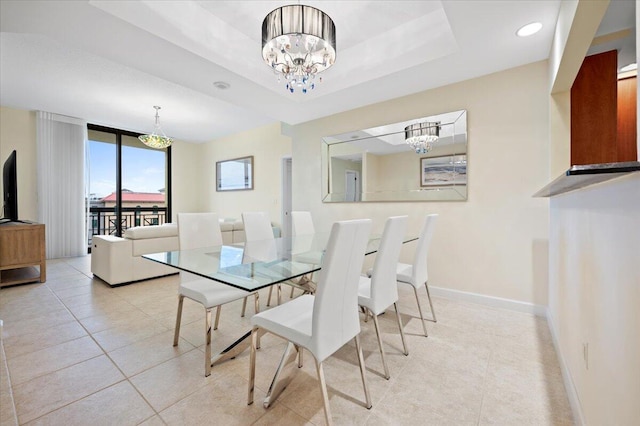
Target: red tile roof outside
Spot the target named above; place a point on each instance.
(132, 197)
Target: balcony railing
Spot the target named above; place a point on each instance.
(103, 220)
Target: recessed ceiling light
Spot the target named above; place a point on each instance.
(222, 85)
(529, 29)
(630, 67)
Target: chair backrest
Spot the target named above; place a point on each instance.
(302, 223)
(196, 230)
(257, 226)
(335, 309)
(260, 250)
(420, 273)
(384, 287)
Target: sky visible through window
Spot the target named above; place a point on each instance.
(143, 170)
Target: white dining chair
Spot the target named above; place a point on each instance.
(257, 227)
(324, 322)
(379, 291)
(302, 223)
(416, 274)
(197, 230)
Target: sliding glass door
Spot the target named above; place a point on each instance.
(129, 183)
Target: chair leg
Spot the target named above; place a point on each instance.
(278, 294)
(362, 372)
(291, 295)
(404, 342)
(424, 326)
(269, 297)
(256, 302)
(433, 313)
(279, 290)
(365, 311)
(176, 333)
(207, 345)
(252, 364)
(384, 361)
(325, 395)
(300, 351)
(215, 324)
(244, 307)
(256, 307)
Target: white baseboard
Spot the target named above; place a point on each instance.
(572, 394)
(494, 302)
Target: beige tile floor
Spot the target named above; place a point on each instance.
(76, 351)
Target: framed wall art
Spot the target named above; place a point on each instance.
(443, 171)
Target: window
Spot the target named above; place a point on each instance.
(129, 183)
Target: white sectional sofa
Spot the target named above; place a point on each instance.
(118, 260)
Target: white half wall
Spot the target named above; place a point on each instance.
(495, 243)
(594, 295)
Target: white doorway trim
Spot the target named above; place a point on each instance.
(287, 196)
(352, 185)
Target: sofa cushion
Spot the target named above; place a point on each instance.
(153, 231)
(154, 245)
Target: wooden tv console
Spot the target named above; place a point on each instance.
(22, 249)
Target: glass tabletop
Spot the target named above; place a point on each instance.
(254, 265)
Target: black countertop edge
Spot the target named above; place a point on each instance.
(593, 169)
(578, 177)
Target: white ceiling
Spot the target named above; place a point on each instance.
(109, 62)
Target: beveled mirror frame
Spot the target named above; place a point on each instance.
(377, 165)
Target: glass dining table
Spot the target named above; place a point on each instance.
(255, 265)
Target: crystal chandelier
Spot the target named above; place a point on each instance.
(157, 139)
(421, 136)
(298, 42)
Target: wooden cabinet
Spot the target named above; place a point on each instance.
(603, 113)
(594, 99)
(22, 253)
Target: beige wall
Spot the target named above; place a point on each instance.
(18, 131)
(268, 147)
(594, 292)
(187, 182)
(500, 233)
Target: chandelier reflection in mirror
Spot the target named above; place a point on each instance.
(157, 139)
(422, 136)
(298, 42)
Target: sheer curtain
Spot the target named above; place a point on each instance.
(60, 143)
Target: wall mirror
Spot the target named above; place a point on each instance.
(235, 174)
(423, 159)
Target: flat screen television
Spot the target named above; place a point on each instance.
(10, 189)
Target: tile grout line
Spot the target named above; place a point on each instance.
(5, 366)
(89, 334)
(33, 378)
(126, 377)
(484, 386)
